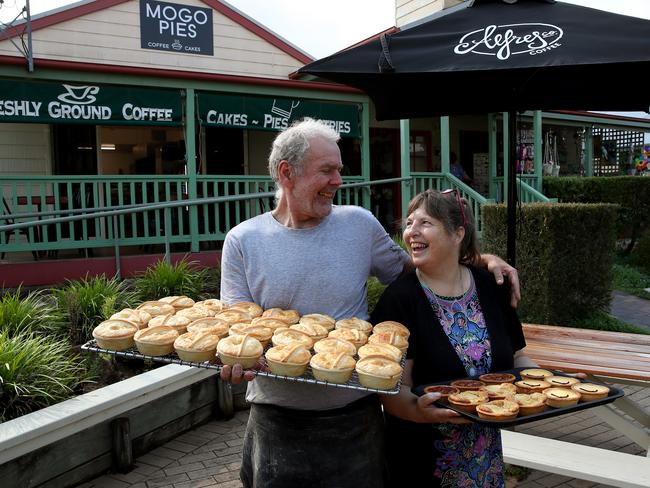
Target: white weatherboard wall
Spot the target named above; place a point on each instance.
(25, 149)
(112, 36)
(407, 11)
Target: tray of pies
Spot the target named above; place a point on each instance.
(520, 395)
(280, 344)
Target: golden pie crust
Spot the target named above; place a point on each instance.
(468, 400)
(535, 374)
(285, 335)
(498, 410)
(385, 350)
(400, 342)
(589, 391)
(138, 317)
(177, 322)
(392, 326)
(252, 309)
(561, 397)
(501, 391)
(272, 324)
(315, 331)
(444, 390)
(334, 368)
(354, 323)
(178, 302)
(197, 346)
(378, 372)
(468, 385)
(288, 359)
(354, 336)
(195, 313)
(240, 349)
(115, 334)
(335, 345)
(210, 324)
(232, 316)
(530, 403)
(155, 308)
(320, 319)
(259, 332)
(497, 378)
(156, 341)
(527, 385)
(213, 304)
(287, 316)
(562, 381)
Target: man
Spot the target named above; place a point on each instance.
(457, 169)
(314, 257)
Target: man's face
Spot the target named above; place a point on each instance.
(312, 192)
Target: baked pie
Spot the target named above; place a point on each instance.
(535, 374)
(531, 386)
(468, 400)
(213, 304)
(288, 359)
(320, 319)
(530, 403)
(272, 324)
(259, 332)
(562, 381)
(561, 397)
(178, 302)
(195, 313)
(444, 390)
(497, 378)
(354, 323)
(178, 322)
(138, 317)
(197, 346)
(589, 391)
(334, 345)
(285, 335)
(385, 350)
(155, 308)
(335, 368)
(232, 316)
(468, 385)
(240, 349)
(315, 331)
(287, 316)
(213, 325)
(392, 326)
(498, 410)
(115, 334)
(378, 372)
(400, 342)
(354, 336)
(252, 309)
(156, 341)
(501, 391)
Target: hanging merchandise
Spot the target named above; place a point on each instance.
(550, 165)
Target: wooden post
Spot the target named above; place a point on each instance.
(122, 445)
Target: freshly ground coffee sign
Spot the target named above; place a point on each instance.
(177, 28)
(78, 103)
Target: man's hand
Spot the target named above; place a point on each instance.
(236, 374)
(502, 270)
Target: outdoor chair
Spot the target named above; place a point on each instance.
(10, 221)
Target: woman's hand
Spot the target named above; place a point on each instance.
(429, 413)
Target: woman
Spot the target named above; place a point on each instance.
(461, 325)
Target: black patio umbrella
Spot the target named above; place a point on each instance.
(501, 56)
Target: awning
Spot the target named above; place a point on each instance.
(275, 113)
(78, 103)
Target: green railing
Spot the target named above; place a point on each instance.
(526, 193)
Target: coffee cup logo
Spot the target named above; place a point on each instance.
(79, 95)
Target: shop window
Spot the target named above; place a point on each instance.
(224, 151)
(75, 149)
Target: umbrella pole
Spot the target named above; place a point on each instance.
(512, 188)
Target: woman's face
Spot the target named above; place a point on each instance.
(428, 241)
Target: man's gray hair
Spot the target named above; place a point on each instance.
(292, 144)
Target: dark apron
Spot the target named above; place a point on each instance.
(339, 448)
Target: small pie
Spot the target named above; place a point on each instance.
(392, 326)
(468, 385)
(155, 308)
(156, 341)
(562, 381)
(561, 397)
(288, 359)
(138, 317)
(535, 374)
(497, 378)
(232, 316)
(240, 349)
(400, 342)
(213, 325)
(354, 336)
(498, 410)
(196, 312)
(288, 316)
(334, 368)
(468, 400)
(198, 346)
(531, 386)
(589, 391)
(285, 335)
(252, 309)
(213, 304)
(354, 323)
(259, 332)
(115, 334)
(335, 345)
(386, 350)
(178, 302)
(272, 324)
(315, 331)
(178, 322)
(378, 372)
(319, 318)
(530, 403)
(444, 390)
(501, 391)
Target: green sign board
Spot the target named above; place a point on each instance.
(79, 103)
(274, 113)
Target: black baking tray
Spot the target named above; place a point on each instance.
(614, 393)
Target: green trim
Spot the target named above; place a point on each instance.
(445, 146)
(405, 161)
(365, 150)
(492, 151)
(589, 151)
(538, 148)
(506, 154)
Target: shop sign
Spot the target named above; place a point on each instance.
(177, 28)
(275, 114)
(78, 103)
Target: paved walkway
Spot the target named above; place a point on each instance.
(631, 309)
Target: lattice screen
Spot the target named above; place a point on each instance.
(611, 147)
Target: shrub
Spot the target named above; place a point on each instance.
(375, 291)
(164, 279)
(564, 257)
(36, 313)
(641, 254)
(36, 372)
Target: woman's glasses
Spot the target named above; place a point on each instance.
(460, 203)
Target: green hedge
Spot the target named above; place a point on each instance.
(632, 193)
(564, 257)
